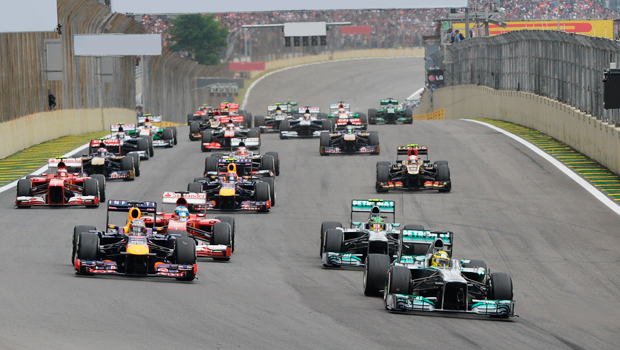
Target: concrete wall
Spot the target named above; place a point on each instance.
(340, 55)
(591, 137)
(33, 129)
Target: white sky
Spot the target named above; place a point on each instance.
(212, 6)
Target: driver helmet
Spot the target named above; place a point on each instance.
(181, 213)
(137, 227)
(377, 223)
(440, 259)
(413, 158)
(230, 127)
(102, 152)
(62, 173)
(231, 176)
(349, 129)
(341, 110)
(147, 122)
(242, 151)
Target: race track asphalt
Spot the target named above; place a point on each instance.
(508, 206)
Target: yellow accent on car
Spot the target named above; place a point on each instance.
(227, 192)
(138, 249)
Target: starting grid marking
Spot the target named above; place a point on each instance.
(589, 169)
(25, 162)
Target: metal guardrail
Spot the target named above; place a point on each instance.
(562, 66)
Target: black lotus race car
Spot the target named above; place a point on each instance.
(112, 166)
(119, 251)
(412, 172)
(349, 141)
(390, 113)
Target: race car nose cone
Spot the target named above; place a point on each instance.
(137, 249)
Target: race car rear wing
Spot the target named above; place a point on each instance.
(229, 106)
(313, 110)
(184, 198)
(333, 106)
(115, 205)
(126, 127)
(388, 101)
(66, 162)
(412, 149)
(152, 118)
(374, 206)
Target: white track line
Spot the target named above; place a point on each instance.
(43, 168)
(247, 93)
(578, 179)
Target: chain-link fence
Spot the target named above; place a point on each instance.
(562, 66)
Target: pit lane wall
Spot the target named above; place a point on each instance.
(21, 133)
(586, 134)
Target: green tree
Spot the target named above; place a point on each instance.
(199, 35)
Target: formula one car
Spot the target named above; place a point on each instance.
(65, 185)
(246, 162)
(307, 125)
(214, 237)
(425, 277)
(215, 122)
(412, 172)
(133, 249)
(349, 141)
(203, 113)
(228, 191)
(350, 246)
(341, 116)
(162, 137)
(119, 142)
(390, 113)
(272, 121)
(230, 137)
(112, 166)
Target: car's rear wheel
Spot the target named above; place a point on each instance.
(285, 125)
(253, 133)
(372, 116)
(375, 271)
(194, 187)
(373, 138)
(101, 185)
(259, 120)
(211, 164)
(326, 125)
(267, 162)
(276, 158)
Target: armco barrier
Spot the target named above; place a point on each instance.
(586, 134)
(36, 128)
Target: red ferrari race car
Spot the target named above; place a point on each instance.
(215, 238)
(64, 185)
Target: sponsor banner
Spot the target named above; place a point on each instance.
(599, 28)
(246, 66)
(439, 114)
(355, 29)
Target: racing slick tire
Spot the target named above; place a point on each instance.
(211, 164)
(383, 175)
(222, 234)
(408, 116)
(101, 184)
(194, 187)
(88, 246)
(276, 159)
(151, 148)
(127, 163)
(383, 163)
(168, 135)
(325, 141)
(207, 137)
(326, 225)
(375, 271)
(190, 117)
(247, 120)
(285, 125)
(267, 162)
(334, 241)
(231, 221)
(501, 286)
(24, 188)
(438, 162)
(174, 134)
(259, 121)
(398, 280)
(143, 145)
(363, 119)
(91, 188)
(254, 132)
(373, 138)
(443, 174)
(77, 230)
(372, 116)
(261, 192)
(326, 125)
(185, 254)
(194, 128)
(272, 189)
(136, 162)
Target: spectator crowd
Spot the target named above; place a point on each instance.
(390, 28)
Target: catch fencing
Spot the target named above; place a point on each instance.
(562, 66)
(167, 90)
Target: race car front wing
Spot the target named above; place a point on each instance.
(403, 303)
(86, 267)
(330, 259)
(77, 200)
(361, 150)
